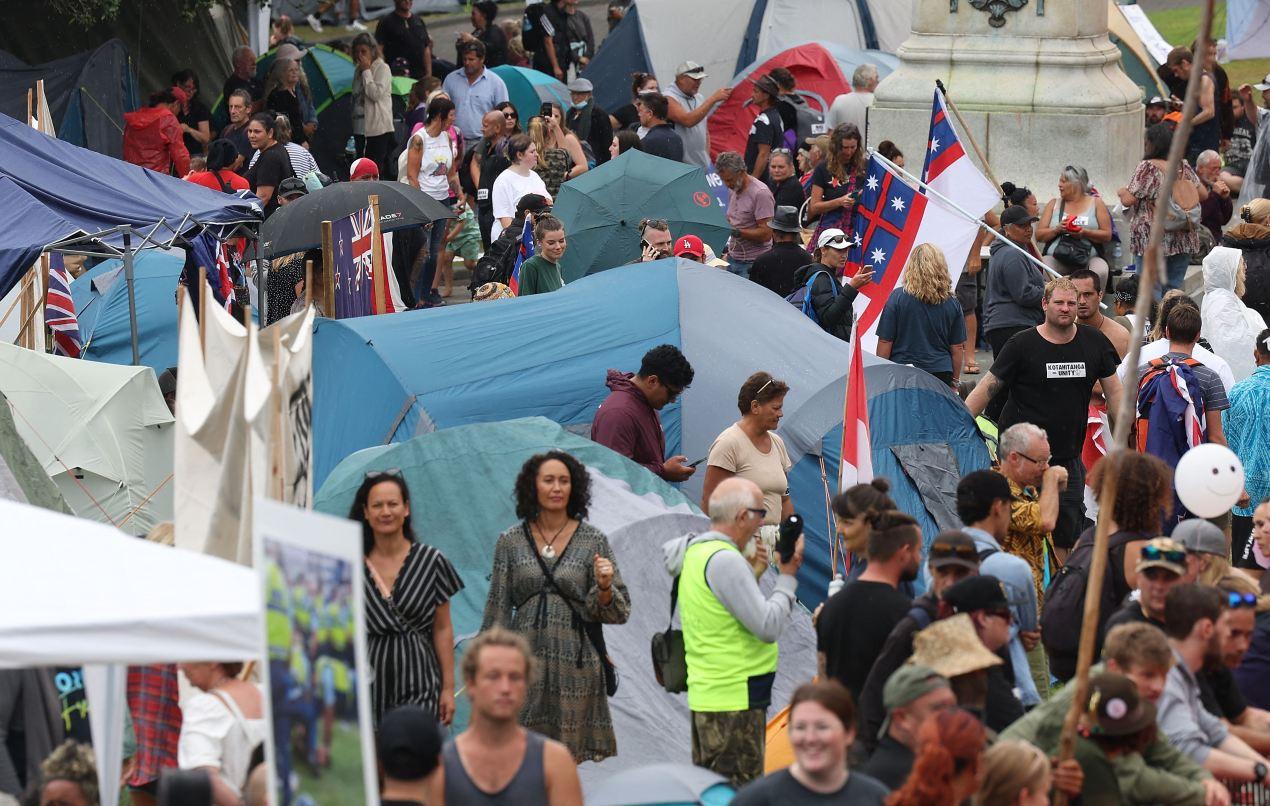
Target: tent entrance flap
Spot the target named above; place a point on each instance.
(932, 468)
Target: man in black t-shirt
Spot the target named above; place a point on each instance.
(244, 78)
(405, 41)
(489, 159)
(767, 131)
(1049, 373)
(857, 619)
(775, 268)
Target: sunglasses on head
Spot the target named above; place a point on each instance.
(1168, 555)
(959, 549)
(392, 472)
(1237, 600)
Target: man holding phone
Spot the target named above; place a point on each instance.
(627, 420)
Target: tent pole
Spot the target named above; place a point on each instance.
(132, 294)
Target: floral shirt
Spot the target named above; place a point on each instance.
(1145, 185)
(1026, 538)
(1247, 432)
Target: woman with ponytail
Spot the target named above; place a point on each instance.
(221, 156)
(855, 510)
(946, 770)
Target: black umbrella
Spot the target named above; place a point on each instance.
(297, 226)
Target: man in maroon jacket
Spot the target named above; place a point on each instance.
(627, 420)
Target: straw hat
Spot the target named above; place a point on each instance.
(951, 647)
(490, 291)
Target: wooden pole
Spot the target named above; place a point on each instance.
(1124, 414)
(203, 288)
(308, 283)
(965, 130)
(30, 101)
(43, 296)
(277, 483)
(328, 269)
(379, 280)
(24, 313)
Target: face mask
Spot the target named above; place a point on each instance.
(582, 105)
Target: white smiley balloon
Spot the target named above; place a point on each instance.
(1209, 479)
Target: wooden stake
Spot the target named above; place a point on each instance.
(379, 279)
(277, 482)
(328, 269)
(43, 295)
(30, 100)
(308, 284)
(203, 288)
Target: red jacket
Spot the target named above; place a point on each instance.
(626, 423)
(152, 139)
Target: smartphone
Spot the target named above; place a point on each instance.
(699, 461)
(545, 110)
(791, 530)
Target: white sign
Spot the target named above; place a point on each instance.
(1155, 44)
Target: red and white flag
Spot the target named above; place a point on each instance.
(857, 449)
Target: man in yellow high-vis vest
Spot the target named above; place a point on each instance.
(730, 631)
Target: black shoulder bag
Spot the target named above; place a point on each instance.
(1070, 250)
(593, 630)
(670, 660)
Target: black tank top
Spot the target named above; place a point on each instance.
(528, 787)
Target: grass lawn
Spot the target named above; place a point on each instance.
(1180, 26)
(341, 783)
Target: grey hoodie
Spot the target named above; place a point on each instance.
(732, 582)
(1014, 291)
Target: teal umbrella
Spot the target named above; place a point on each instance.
(529, 89)
(602, 208)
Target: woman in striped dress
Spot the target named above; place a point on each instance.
(409, 635)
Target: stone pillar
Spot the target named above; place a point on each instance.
(1038, 82)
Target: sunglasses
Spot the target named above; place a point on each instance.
(1237, 600)
(392, 472)
(1005, 614)
(958, 549)
(1168, 555)
(510, 115)
(785, 151)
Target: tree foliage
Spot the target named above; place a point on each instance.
(86, 13)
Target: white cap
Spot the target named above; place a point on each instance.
(834, 238)
(1264, 85)
(691, 69)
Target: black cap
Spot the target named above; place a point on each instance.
(786, 219)
(1114, 708)
(1017, 214)
(409, 743)
(532, 203)
(953, 547)
(977, 593)
(291, 186)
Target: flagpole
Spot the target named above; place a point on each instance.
(966, 131)
(960, 210)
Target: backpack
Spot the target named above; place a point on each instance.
(1183, 211)
(1063, 612)
(1170, 410)
(533, 28)
(801, 297)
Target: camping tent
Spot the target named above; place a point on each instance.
(657, 35)
(1247, 29)
(418, 372)
(102, 432)
(87, 93)
(529, 89)
(61, 188)
(22, 478)
(461, 482)
(101, 303)
(1135, 57)
(821, 69)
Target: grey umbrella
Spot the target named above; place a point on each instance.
(658, 784)
(297, 227)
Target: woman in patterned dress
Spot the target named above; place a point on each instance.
(408, 585)
(836, 182)
(567, 699)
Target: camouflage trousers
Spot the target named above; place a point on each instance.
(730, 743)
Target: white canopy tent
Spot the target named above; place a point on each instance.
(77, 592)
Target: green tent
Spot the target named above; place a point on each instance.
(21, 476)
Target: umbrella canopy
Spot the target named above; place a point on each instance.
(101, 304)
(75, 592)
(529, 89)
(602, 208)
(101, 431)
(297, 227)
(663, 784)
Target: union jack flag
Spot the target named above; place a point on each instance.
(523, 253)
(59, 310)
(222, 264)
(887, 219)
(354, 266)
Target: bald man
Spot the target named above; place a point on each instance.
(489, 159)
(730, 631)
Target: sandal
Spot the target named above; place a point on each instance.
(971, 369)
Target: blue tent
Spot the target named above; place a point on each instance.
(417, 372)
(92, 193)
(101, 304)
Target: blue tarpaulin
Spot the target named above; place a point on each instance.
(93, 193)
(26, 226)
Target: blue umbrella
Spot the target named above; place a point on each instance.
(530, 89)
(663, 784)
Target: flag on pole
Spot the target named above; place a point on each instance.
(222, 264)
(354, 267)
(59, 310)
(892, 217)
(856, 466)
(525, 252)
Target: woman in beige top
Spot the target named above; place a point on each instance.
(749, 448)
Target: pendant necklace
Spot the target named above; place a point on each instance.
(548, 549)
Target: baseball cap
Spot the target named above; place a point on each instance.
(409, 743)
(580, 85)
(977, 593)
(533, 203)
(768, 85)
(1017, 214)
(953, 547)
(1157, 101)
(1200, 537)
(363, 166)
(1115, 708)
(691, 69)
(289, 51)
(689, 245)
(291, 186)
(905, 685)
(1264, 85)
(833, 238)
(1163, 552)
